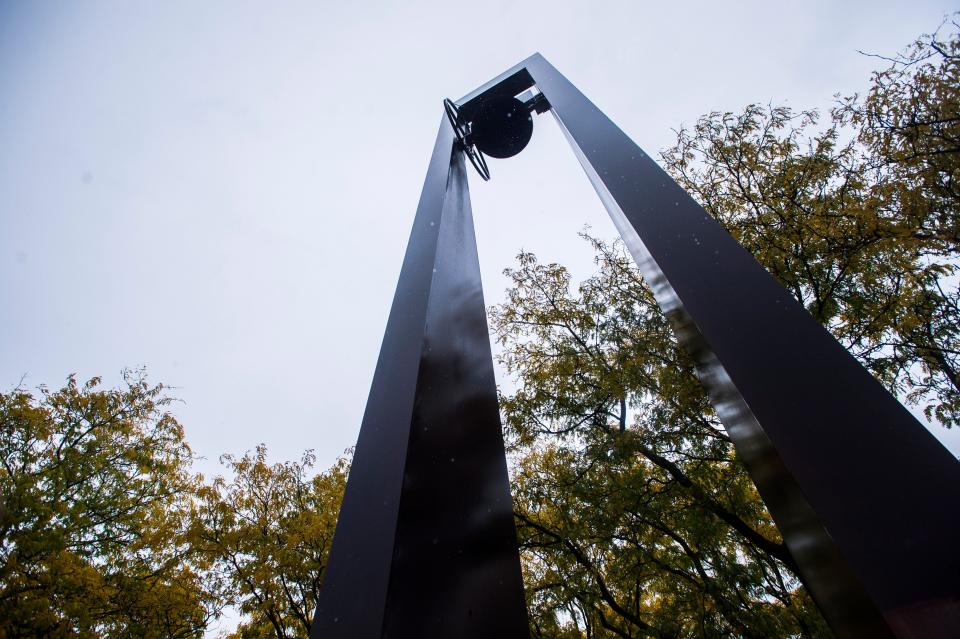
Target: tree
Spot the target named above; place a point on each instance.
(635, 518)
(95, 486)
(909, 130)
(864, 233)
(266, 534)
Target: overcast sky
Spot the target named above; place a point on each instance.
(222, 191)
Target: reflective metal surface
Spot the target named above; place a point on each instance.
(425, 544)
(866, 499)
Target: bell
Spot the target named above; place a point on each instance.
(501, 127)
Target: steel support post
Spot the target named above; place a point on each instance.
(425, 545)
(867, 501)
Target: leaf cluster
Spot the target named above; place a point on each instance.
(634, 516)
(93, 532)
(266, 533)
(858, 217)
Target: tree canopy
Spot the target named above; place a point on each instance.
(266, 535)
(96, 488)
(858, 217)
(635, 517)
(107, 532)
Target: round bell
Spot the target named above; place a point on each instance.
(502, 127)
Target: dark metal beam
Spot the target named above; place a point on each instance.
(867, 500)
(425, 544)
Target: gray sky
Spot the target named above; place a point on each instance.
(222, 191)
